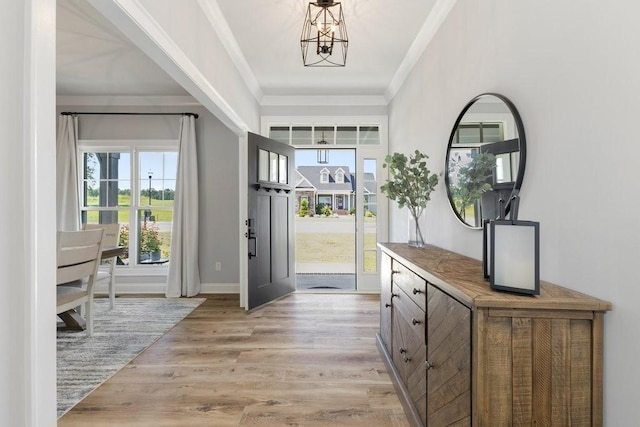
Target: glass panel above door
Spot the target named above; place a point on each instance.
(301, 135)
(279, 133)
(347, 135)
(369, 135)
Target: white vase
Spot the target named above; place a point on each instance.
(417, 227)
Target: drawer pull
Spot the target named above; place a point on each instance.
(394, 296)
(403, 350)
(406, 359)
(395, 272)
(415, 322)
(387, 305)
(428, 364)
(416, 291)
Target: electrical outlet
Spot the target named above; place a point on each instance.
(218, 266)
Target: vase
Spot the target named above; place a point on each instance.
(417, 227)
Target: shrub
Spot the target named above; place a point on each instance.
(304, 207)
(369, 214)
(326, 210)
(352, 211)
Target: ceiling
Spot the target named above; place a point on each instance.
(95, 58)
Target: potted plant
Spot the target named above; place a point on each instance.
(150, 241)
(410, 184)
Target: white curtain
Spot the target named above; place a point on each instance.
(68, 201)
(184, 274)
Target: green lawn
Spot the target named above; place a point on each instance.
(124, 201)
(334, 247)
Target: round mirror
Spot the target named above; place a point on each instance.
(485, 159)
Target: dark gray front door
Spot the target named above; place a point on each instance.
(270, 224)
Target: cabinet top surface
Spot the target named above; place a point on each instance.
(462, 278)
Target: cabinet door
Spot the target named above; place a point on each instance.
(409, 350)
(385, 301)
(448, 360)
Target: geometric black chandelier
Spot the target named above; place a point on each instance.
(324, 38)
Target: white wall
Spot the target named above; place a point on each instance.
(27, 222)
(218, 151)
(573, 72)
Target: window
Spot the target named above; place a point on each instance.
(369, 135)
(135, 187)
(330, 135)
(370, 205)
(324, 176)
(340, 176)
(479, 132)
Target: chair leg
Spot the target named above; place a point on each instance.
(89, 315)
(112, 292)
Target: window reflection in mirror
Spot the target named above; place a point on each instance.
(485, 158)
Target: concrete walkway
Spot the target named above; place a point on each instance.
(325, 268)
(326, 281)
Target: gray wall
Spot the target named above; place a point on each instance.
(217, 149)
(573, 73)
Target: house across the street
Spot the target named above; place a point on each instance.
(332, 186)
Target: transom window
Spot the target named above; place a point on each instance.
(324, 134)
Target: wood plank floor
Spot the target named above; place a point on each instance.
(306, 360)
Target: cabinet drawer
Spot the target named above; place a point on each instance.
(414, 286)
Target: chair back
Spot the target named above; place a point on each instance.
(111, 235)
(78, 255)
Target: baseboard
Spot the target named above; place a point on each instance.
(160, 288)
(220, 288)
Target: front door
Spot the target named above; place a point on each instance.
(270, 196)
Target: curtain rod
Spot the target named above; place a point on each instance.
(69, 113)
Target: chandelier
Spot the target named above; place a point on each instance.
(325, 32)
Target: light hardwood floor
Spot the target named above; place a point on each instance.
(306, 360)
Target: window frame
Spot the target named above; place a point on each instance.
(134, 147)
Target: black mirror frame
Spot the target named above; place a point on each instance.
(522, 141)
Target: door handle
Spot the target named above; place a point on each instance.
(253, 254)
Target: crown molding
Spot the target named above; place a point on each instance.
(221, 27)
(428, 30)
(128, 100)
(323, 100)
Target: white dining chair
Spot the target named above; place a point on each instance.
(78, 257)
(105, 272)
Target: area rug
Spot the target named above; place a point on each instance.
(119, 335)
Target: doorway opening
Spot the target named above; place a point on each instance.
(325, 220)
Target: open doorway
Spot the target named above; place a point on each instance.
(325, 221)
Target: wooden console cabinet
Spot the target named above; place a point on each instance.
(462, 354)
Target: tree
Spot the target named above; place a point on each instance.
(473, 179)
